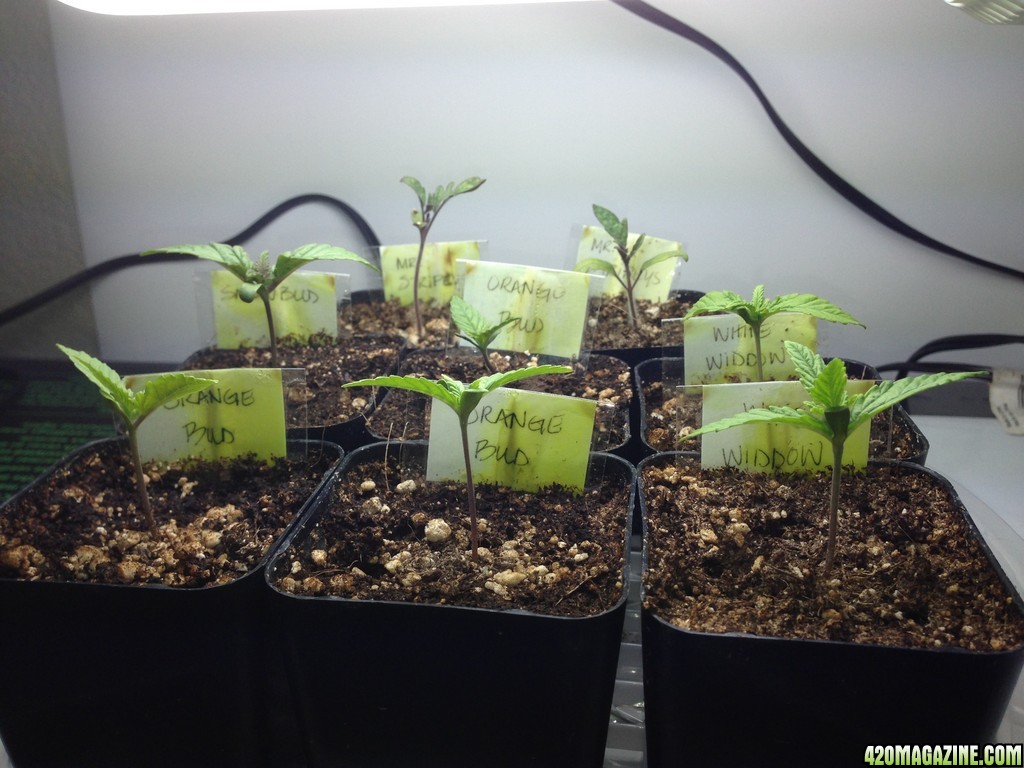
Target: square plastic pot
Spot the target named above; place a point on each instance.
(391, 683)
(739, 700)
(123, 676)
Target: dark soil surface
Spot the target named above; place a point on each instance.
(215, 521)
(390, 317)
(390, 535)
(403, 415)
(612, 329)
(328, 365)
(741, 552)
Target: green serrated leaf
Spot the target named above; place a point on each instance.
(290, 261)
(715, 302)
(461, 398)
(806, 362)
(809, 304)
(416, 187)
(829, 386)
(471, 184)
(412, 384)
(888, 393)
(661, 257)
(637, 245)
(232, 257)
(466, 316)
(107, 381)
(594, 264)
(757, 298)
(474, 326)
(132, 406)
(617, 229)
(773, 414)
(495, 380)
(167, 387)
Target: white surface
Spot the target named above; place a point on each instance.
(978, 456)
(185, 129)
(986, 465)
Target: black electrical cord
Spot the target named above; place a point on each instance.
(830, 177)
(949, 344)
(649, 14)
(132, 260)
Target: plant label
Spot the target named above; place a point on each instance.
(520, 439)
(243, 413)
(1006, 398)
(719, 349)
(551, 304)
(437, 270)
(655, 283)
(773, 447)
(304, 305)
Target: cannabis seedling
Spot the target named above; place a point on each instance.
(462, 399)
(618, 230)
(759, 309)
(423, 219)
(475, 329)
(833, 413)
(134, 407)
(259, 279)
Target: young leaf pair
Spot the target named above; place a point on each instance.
(759, 309)
(833, 413)
(618, 231)
(259, 279)
(133, 407)
(462, 399)
(423, 218)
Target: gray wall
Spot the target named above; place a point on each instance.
(185, 129)
(40, 243)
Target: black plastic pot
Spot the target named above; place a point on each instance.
(759, 702)
(389, 683)
(122, 676)
(653, 371)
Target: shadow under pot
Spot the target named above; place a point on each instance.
(666, 415)
(754, 656)
(403, 650)
(404, 415)
(330, 411)
(123, 647)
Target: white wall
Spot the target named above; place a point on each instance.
(185, 129)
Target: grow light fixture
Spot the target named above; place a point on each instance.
(993, 11)
(176, 7)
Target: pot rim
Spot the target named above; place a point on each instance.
(309, 517)
(754, 637)
(95, 444)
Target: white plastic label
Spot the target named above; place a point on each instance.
(1006, 398)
